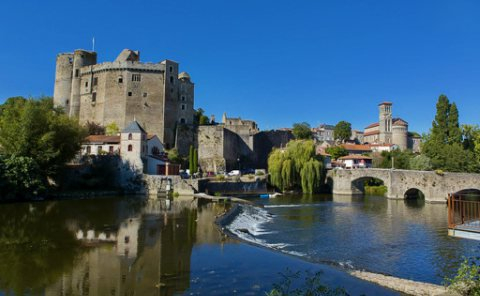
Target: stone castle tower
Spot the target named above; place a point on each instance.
(385, 122)
(155, 94)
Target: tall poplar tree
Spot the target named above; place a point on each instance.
(454, 131)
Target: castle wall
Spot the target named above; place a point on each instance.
(63, 81)
(81, 58)
(399, 136)
(265, 141)
(124, 90)
(211, 148)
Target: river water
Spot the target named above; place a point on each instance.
(407, 239)
(130, 246)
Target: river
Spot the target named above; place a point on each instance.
(131, 246)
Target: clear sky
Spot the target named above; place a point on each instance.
(276, 62)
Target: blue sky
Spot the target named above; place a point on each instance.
(277, 62)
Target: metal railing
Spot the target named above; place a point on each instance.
(463, 213)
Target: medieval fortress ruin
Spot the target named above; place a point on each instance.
(156, 95)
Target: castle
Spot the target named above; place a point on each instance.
(155, 95)
(390, 131)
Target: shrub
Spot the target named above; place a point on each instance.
(439, 172)
(467, 280)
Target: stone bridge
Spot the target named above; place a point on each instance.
(400, 183)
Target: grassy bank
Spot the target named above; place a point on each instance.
(376, 190)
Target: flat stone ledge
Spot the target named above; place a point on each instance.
(408, 287)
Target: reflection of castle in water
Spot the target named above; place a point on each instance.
(148, 254)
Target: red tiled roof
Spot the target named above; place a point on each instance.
(356, 147)
(373, 125)
(371, 133)
(354, 156)
(385, 103)
(102, 139)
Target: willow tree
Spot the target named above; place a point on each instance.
(296, 166)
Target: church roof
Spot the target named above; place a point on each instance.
(373, 125)
(399, 121)
(134, 127)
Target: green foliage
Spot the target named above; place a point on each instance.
(195, 160)
(296, 167)
(302, 131)
(94, 128)
(199, 118)
(36, 140)
(112, 129)
(342, 131)
(191, 165)
(23, 176)
(296, 284)
(376, 190)
(173, 156)
(336, 152)
(467, 280)
(421, 163)
(449, 147)
(399, 159)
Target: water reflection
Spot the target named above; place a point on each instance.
(102, 247)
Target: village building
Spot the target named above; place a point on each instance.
(355, 161)
(142, 152)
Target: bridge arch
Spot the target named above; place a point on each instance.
(468, 194)
(358, 184)
(414, 193)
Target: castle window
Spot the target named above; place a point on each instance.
(129, 137)
(171, 79)
(95, 81)
(183, 98)
(129, 93)
(144, 95)
(130, 147)
(94, 97)
(86, 83)
(120, 79)
(76, 72)
(183, 106)
(182, 120)
(136, 77)
(67, 102)
(171, 69)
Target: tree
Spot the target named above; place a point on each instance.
(36, 140)
(195, 160)
(342, 131)
(399, 159)
(336, 152)
(454, 131)
(199, 118)
(191, 165)
(440, 124)
(421, 163)
(112, 129)
(302, 131)
(296, 167)
(94, 128)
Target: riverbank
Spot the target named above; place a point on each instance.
(395, 283)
